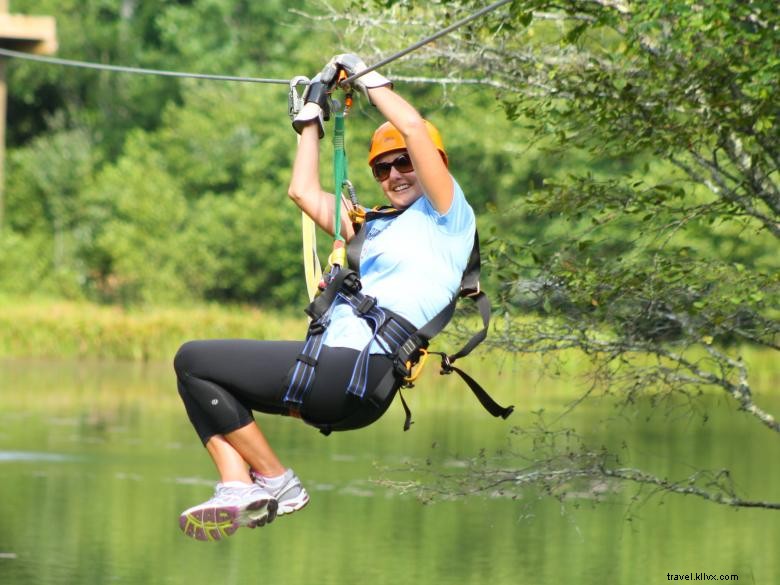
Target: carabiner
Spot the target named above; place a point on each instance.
(347, 184)
(294, 99)
(347, 92)
(357, 214)
(412, 377)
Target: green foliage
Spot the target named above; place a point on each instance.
(140, 189)
(652, 228)
(26, 263)
(246, 251)
(136, 218)
(634, 173)
(231, 37)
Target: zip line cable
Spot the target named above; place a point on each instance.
(164, 73)
(122, 69)
(426, 40)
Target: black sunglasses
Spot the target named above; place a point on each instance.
(402, 162)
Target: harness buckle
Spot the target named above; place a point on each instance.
(351, 283)
(471, 292)
(366, 304)
(402, 368)
(446, 365)
(317, 327)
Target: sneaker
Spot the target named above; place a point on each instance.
(288, 491)
(233, 505)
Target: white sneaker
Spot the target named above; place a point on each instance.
(290, 494)
(233, 505)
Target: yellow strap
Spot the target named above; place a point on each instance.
(312, 270)
(311, 262)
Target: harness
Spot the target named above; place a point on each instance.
(399, 339)
(405, 344)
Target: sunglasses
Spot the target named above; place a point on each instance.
(402, 163)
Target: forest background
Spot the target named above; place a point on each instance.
(622, 159)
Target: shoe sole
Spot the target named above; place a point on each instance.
(218, 522)
(253, 520)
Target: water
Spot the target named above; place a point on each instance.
(97, 460)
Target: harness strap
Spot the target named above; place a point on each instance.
(342, 279)
(484, 398)
(301, 375)
(389, 330)
(355, 245)
(408, 352)
(408, 422)
(339, 170)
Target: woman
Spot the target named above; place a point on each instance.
(411, 263)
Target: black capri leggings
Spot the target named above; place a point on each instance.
(221, 382)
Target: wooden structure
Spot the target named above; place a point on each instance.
(29, 34)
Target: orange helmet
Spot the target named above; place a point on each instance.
(387, 138)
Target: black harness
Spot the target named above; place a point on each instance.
(399, 339)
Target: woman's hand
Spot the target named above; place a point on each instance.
(315, 107)
(354, 65)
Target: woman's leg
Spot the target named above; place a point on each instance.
(251, 445)
(231, 461)
(220, 382)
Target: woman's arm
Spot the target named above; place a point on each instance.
(428, 164)
(305, 189)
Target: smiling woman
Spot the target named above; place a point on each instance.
(388, 152)
(372, 321)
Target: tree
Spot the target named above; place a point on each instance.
(660, 262)
(97, 159)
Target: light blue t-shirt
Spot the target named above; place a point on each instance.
(412, 263)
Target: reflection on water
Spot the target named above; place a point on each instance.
(28, 456)
(97, 460)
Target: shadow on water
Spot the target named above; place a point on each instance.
(98, 459)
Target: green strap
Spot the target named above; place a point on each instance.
(339, 170)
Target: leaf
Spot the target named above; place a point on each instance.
(526, 18)
(574, 34)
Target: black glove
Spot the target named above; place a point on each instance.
(316, 105)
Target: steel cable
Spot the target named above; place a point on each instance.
(426, 40)
(164, 73)
(137, 70)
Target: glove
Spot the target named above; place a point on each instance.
(354, 65)
(315, 106)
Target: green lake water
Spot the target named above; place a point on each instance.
(98, 459)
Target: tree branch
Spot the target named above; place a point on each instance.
(721, 189)
(724, 496)
(762, 185)
(568, 475)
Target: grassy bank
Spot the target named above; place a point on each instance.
(68, 329)
(58, 328)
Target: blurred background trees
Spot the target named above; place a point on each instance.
(622, 159)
